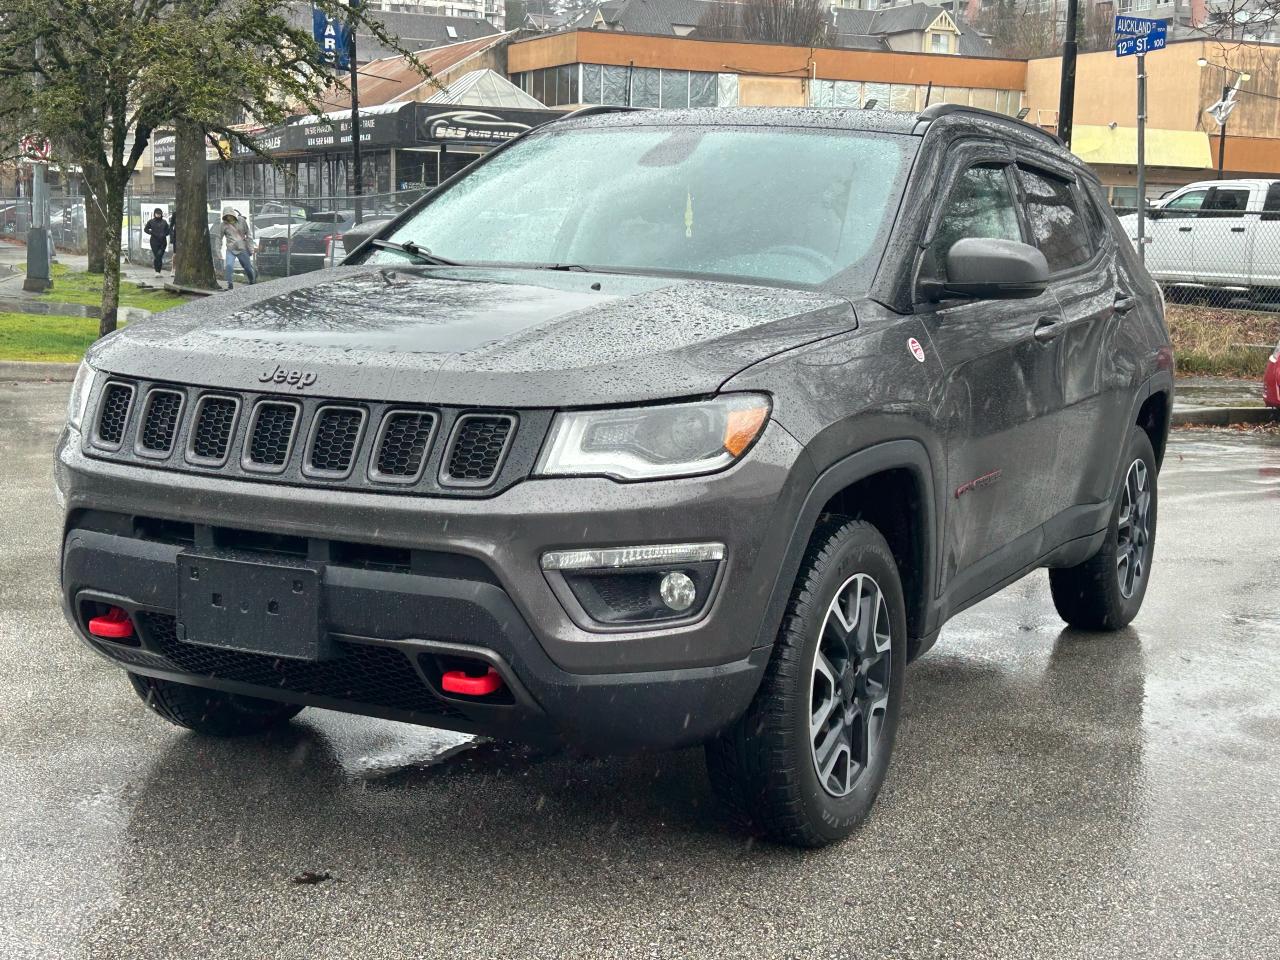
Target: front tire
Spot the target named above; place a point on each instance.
(806, 761)
(1105, 592)
(211, 712)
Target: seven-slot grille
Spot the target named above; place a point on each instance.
(160, 415)
(269, 437)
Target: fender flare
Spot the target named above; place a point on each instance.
(890, 455)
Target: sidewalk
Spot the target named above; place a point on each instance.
(13, 257)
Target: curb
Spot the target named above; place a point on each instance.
(1223, 416)
(190, 291)
(27, 371)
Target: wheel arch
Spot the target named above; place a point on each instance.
(890, 485)
(1153, 417)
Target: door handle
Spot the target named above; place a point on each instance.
(1237, 229)
(1124, 304)
(1047, 328)
(1184, 229)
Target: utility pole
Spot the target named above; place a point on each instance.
(356, 173)
(1067, 89)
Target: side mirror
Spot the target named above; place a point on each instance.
(995, 270)
(1154, 213)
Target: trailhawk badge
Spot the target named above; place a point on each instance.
(917, 351)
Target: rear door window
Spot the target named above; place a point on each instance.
(1057, 227)
(1226, 202)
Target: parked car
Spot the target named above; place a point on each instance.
(1271, 379)
(1215, 235)
(274, 213)
(309, 246)
(697, 446)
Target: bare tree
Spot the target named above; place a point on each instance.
(804, 23)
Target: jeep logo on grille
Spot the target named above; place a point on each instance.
(294, 378)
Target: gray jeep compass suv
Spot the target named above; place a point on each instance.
(650, 429)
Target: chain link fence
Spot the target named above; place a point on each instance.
(65, 217)
(290, 235)
(1218, 257)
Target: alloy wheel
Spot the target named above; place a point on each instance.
(1134, 534)
(849, 694)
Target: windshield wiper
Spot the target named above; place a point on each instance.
(421, 254)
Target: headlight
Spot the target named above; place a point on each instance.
(647, 443)
(81, 390)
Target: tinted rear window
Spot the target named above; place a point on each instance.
(1056, 225)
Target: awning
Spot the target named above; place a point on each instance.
(1118, 146)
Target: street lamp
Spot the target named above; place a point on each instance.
(1224, 106)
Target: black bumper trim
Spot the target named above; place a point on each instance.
(608, 713)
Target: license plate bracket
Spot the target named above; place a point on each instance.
(251, 606)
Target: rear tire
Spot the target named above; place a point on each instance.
(1105, 592)
(211, 712)
(806, 761)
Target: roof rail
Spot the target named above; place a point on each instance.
(939, 110)
(593, 109)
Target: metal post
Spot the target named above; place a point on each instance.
(39, 275)
(355, 115)
(1222, 129)
(1142, 157)
(1067, 91)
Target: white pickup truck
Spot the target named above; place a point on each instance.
(1218, 234)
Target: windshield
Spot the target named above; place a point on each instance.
(783, 205)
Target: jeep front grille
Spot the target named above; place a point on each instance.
(271, 436)
(402, 445)
(117, 398)
(307, 441)
(333, 440)
(160, 416)
(477, 447)
(215, 420)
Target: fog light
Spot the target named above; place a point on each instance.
(678, 591)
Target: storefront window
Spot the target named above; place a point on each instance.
(702, 89)
(592, 75)
(675, 89)
(645, 87)
(615, 86)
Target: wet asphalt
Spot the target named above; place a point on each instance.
(1054, 794)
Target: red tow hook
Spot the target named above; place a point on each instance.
(112, 625)
(457, 681)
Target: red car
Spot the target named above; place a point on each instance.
(1271, 380)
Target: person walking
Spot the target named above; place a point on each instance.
(173, 230)
(239, 246)
(158, 229)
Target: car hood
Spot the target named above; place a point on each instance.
(474, 336)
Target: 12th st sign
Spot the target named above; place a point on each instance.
(1139, 35)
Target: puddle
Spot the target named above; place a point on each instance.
(47, 309)
(1217, 392)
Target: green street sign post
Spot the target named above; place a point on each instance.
(1138, 36)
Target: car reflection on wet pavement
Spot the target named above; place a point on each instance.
(1055, 794)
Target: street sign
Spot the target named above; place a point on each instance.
(334, 38)
(1147, 43)
(1137, 26)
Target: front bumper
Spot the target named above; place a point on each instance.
(605, 689)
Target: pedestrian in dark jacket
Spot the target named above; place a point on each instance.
(158, 230)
